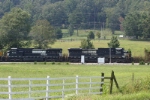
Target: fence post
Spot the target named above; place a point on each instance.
(114, 77)
(29, 88)
(132, 77)
(9, 87)
(63, 88)
(90, 85)
(76, 84)
(47, 88)
(111, 81)
(102, 83)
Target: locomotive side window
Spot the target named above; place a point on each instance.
(13, 52)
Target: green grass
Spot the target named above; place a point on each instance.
(64, 70)
(82, 34)
(144, 95)
(123, 73)
(137, 47)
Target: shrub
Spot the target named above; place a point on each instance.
(67, 63)
(86, 44)
(137, 59)
(59, 63)
(35, 62)
(91, 35)
(114, 42)
(53, 63)
(141, 63)
(45, 62)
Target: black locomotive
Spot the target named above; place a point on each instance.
(112, 55)
(32, 54)
(74, 55)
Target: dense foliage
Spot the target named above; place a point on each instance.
(42, 34)
(131, 16)
(114, 42)
(91, 35)
(14, 29)
(87, 44)
(80, 13)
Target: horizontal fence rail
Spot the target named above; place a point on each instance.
(48, 88)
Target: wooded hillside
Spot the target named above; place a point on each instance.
(80, 13)
(19, 17)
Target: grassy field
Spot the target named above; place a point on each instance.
(124, 74)
(137, 47)
(82, 34)
(63, 70)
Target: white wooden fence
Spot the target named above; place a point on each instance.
(46, 88)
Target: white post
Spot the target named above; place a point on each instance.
(29, 88)
(82, 59)
(76, 84)
(63, 88)
(90, 85)
(47, 88)
(9, 87)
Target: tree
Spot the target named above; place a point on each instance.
(70, 29)
(145, 27)
(98, 35)
(87, 44)
(43, 34)
(133, 24)
(58, 33)
(114, 43)
(91, 35)
(112, 20)
(55, 13)
(14, 28)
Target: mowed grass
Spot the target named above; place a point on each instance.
(82, 34)
(124, 74)
(63, 70)
(137, 47)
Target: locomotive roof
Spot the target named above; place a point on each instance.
(75, 48)
(54, 49)
(89, 49)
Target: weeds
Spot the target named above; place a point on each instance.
(141, 63)
(35, 62)
(136, 86)
(53, 63)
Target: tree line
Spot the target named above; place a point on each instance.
(78, 13)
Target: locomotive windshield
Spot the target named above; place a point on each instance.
(119, 51)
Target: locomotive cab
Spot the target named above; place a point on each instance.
(14, 54)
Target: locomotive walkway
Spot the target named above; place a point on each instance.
(73, 63)
(105, 64)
